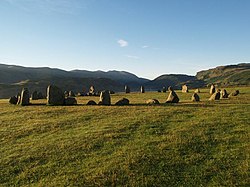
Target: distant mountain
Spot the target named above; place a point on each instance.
(14, 78)
(229, 75)
(174, 80)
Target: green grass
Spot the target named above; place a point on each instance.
(185, 144)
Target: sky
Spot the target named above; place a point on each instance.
(145, 37)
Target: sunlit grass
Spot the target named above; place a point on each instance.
(185, 144)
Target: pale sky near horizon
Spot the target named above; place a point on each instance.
(145, 37)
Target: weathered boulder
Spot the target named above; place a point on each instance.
(184, 88)
(172, 97)
(123, 101)
(24, 99)
(212, 89)
(152, 102)
(234, 93)
(70, 101)
(164, 89)
(195, 97)
(142, 89)
(71, 94)
(105, 98)
(34, 95)
(215, 96)
(127, 89)
(91, 102)
(223, 94)
(197, 90)
(55, 96)
(13, 100)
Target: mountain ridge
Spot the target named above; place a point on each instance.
(14, 77)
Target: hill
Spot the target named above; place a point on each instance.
(230, 75)
(184, 144)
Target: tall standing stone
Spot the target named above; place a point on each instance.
(71, 94)
(184, 88)
(223, 94)
(55, 96)
(215, 96)
(172, 97)
(24, 98)
(142, 89)
(212, 89)
(105, 98)
(195, 97)
(127, 89)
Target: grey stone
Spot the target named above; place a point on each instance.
(184, 88)
(195, 97)
(142, 89)
(127, 89)
(24, 99)
(152, 102)
(172, 97)
(212, 89)
(13, 100)
(70, 101)
(91, 102)
(105, 98)
(34, 95)
(223, 94)
(71, 94)
(234, 93)
(55, 96)
(164, 89)
(123, 101)
(215, 96)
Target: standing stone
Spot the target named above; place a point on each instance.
(66, 93)
(172, 97)
(24, 99)
(127, 89)
(122, 102)
(223, 94)
(152, 102)
(70, 101)
(13, 100)
(71, 94)
(184, 88)
(195, 97)
(55, 96)
(34, 95)
(215, 96)
(164, 89)
(234, 93)
(105, 98)
(212, 89)
(197, 90)
(142, 89)
(91, 91)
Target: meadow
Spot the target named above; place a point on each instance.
(184, 144)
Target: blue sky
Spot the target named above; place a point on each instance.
(145, 37)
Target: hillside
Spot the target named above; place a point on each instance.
(230, 75)
(174, 80)
(184, 144)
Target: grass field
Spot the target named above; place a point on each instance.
(185, 144)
